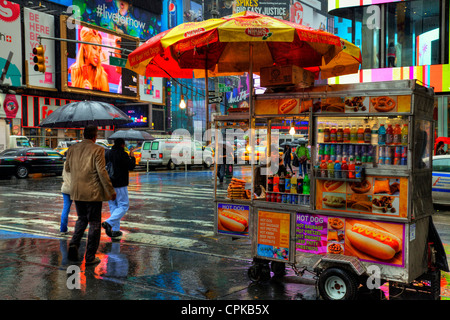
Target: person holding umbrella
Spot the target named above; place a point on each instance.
(90, 186)
(121, 163)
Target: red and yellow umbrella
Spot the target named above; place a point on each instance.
(243, 42)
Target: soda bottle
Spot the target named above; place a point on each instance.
(281, 183)
(337, 170)
(340, 134)
(300, 185)
(360, 134)
(326, 134)
(270, 183)
(323, 169)
(346, 134)
(294, 184)
(405, 135)
(351, 169)
(276, 180)
(287, 184)
(374, 139)
(326, 156)
(330, 169)
(320, 133)
(389, 135)
(344, 169)
(382, 135)
(367, 134)
(358, 168)
(353, 134)
(333, 134)
(397, 135)
(306, 184)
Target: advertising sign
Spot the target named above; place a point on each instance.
(39, 24)
(282, 106)
(233, 219)
(273, 8)
(88, 66)
(383, 196)
(373, 241)
(151, 89)
(119, 16)
(10, 44)
(138, 114)
(378, 104)
(273, 235)
(10, 106)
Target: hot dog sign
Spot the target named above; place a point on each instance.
(373, 241)
(232, 219)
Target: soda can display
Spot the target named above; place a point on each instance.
(351, 150)
(398, 152)
(380, 160)
(283, 198)
(306, 200)
(382, 152)
(339, 150)
(404, 161)
(370, 153)
(345, 149)
(397, 161)
(390, 152)
(404, 152)
(357, 150)
(288, 198)
(294, 199)
(387, 160)
(326, 149)
(279, 197)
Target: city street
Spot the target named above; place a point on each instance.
(168, 250)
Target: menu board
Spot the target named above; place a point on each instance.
(232, 219)
(373, 241)
(379, 195)
(273, 235)
(362, 104)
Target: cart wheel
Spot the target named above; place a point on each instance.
(278, 268)
(337, 284)
(259, 272)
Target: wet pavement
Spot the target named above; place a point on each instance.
(168, 251)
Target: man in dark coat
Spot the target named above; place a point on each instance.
(121, 163)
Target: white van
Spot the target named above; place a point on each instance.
(172, 152)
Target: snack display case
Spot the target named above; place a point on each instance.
(370, 206)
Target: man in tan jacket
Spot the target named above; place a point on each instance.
(90, 186)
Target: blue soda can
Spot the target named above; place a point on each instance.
(357, 150)
(306, 200)
(380, 160)
(294, 199)
(404, 161)
(288, 198)
(338, 150)
(283, 198)
(351, 150)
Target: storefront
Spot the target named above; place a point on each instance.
(399, 40)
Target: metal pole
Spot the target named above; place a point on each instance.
(84, 42)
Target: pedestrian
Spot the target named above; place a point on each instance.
(225, 158)
(90, 186)
(287, 157)
(302, 153)
(65, 190)
(440, 148)
(392, 55)
(121, 163)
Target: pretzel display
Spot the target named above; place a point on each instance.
(335, 223)
(383, 103)
(361, 187)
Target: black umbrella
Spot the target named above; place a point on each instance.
(131, 135)
(82, 113)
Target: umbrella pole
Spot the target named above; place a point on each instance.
(206, 104)
(251, 123)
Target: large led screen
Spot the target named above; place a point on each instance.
(95, 68)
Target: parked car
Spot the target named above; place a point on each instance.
(23, 161)
(441, 180)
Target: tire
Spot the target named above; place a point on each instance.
(259, 272)
(22, 172)
(278, 268)
(338, 284)
(171, 165)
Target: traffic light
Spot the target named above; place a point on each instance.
(39, 58)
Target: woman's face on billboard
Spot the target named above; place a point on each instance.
(92, 55)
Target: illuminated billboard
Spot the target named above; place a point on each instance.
(96, 69)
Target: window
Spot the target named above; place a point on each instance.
(412, 33)
(155, 145)
(52, 153)
(146, 145)
(441, 165)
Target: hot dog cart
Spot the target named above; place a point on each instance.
(364, 222)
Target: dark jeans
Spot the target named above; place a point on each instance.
(89, 213)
